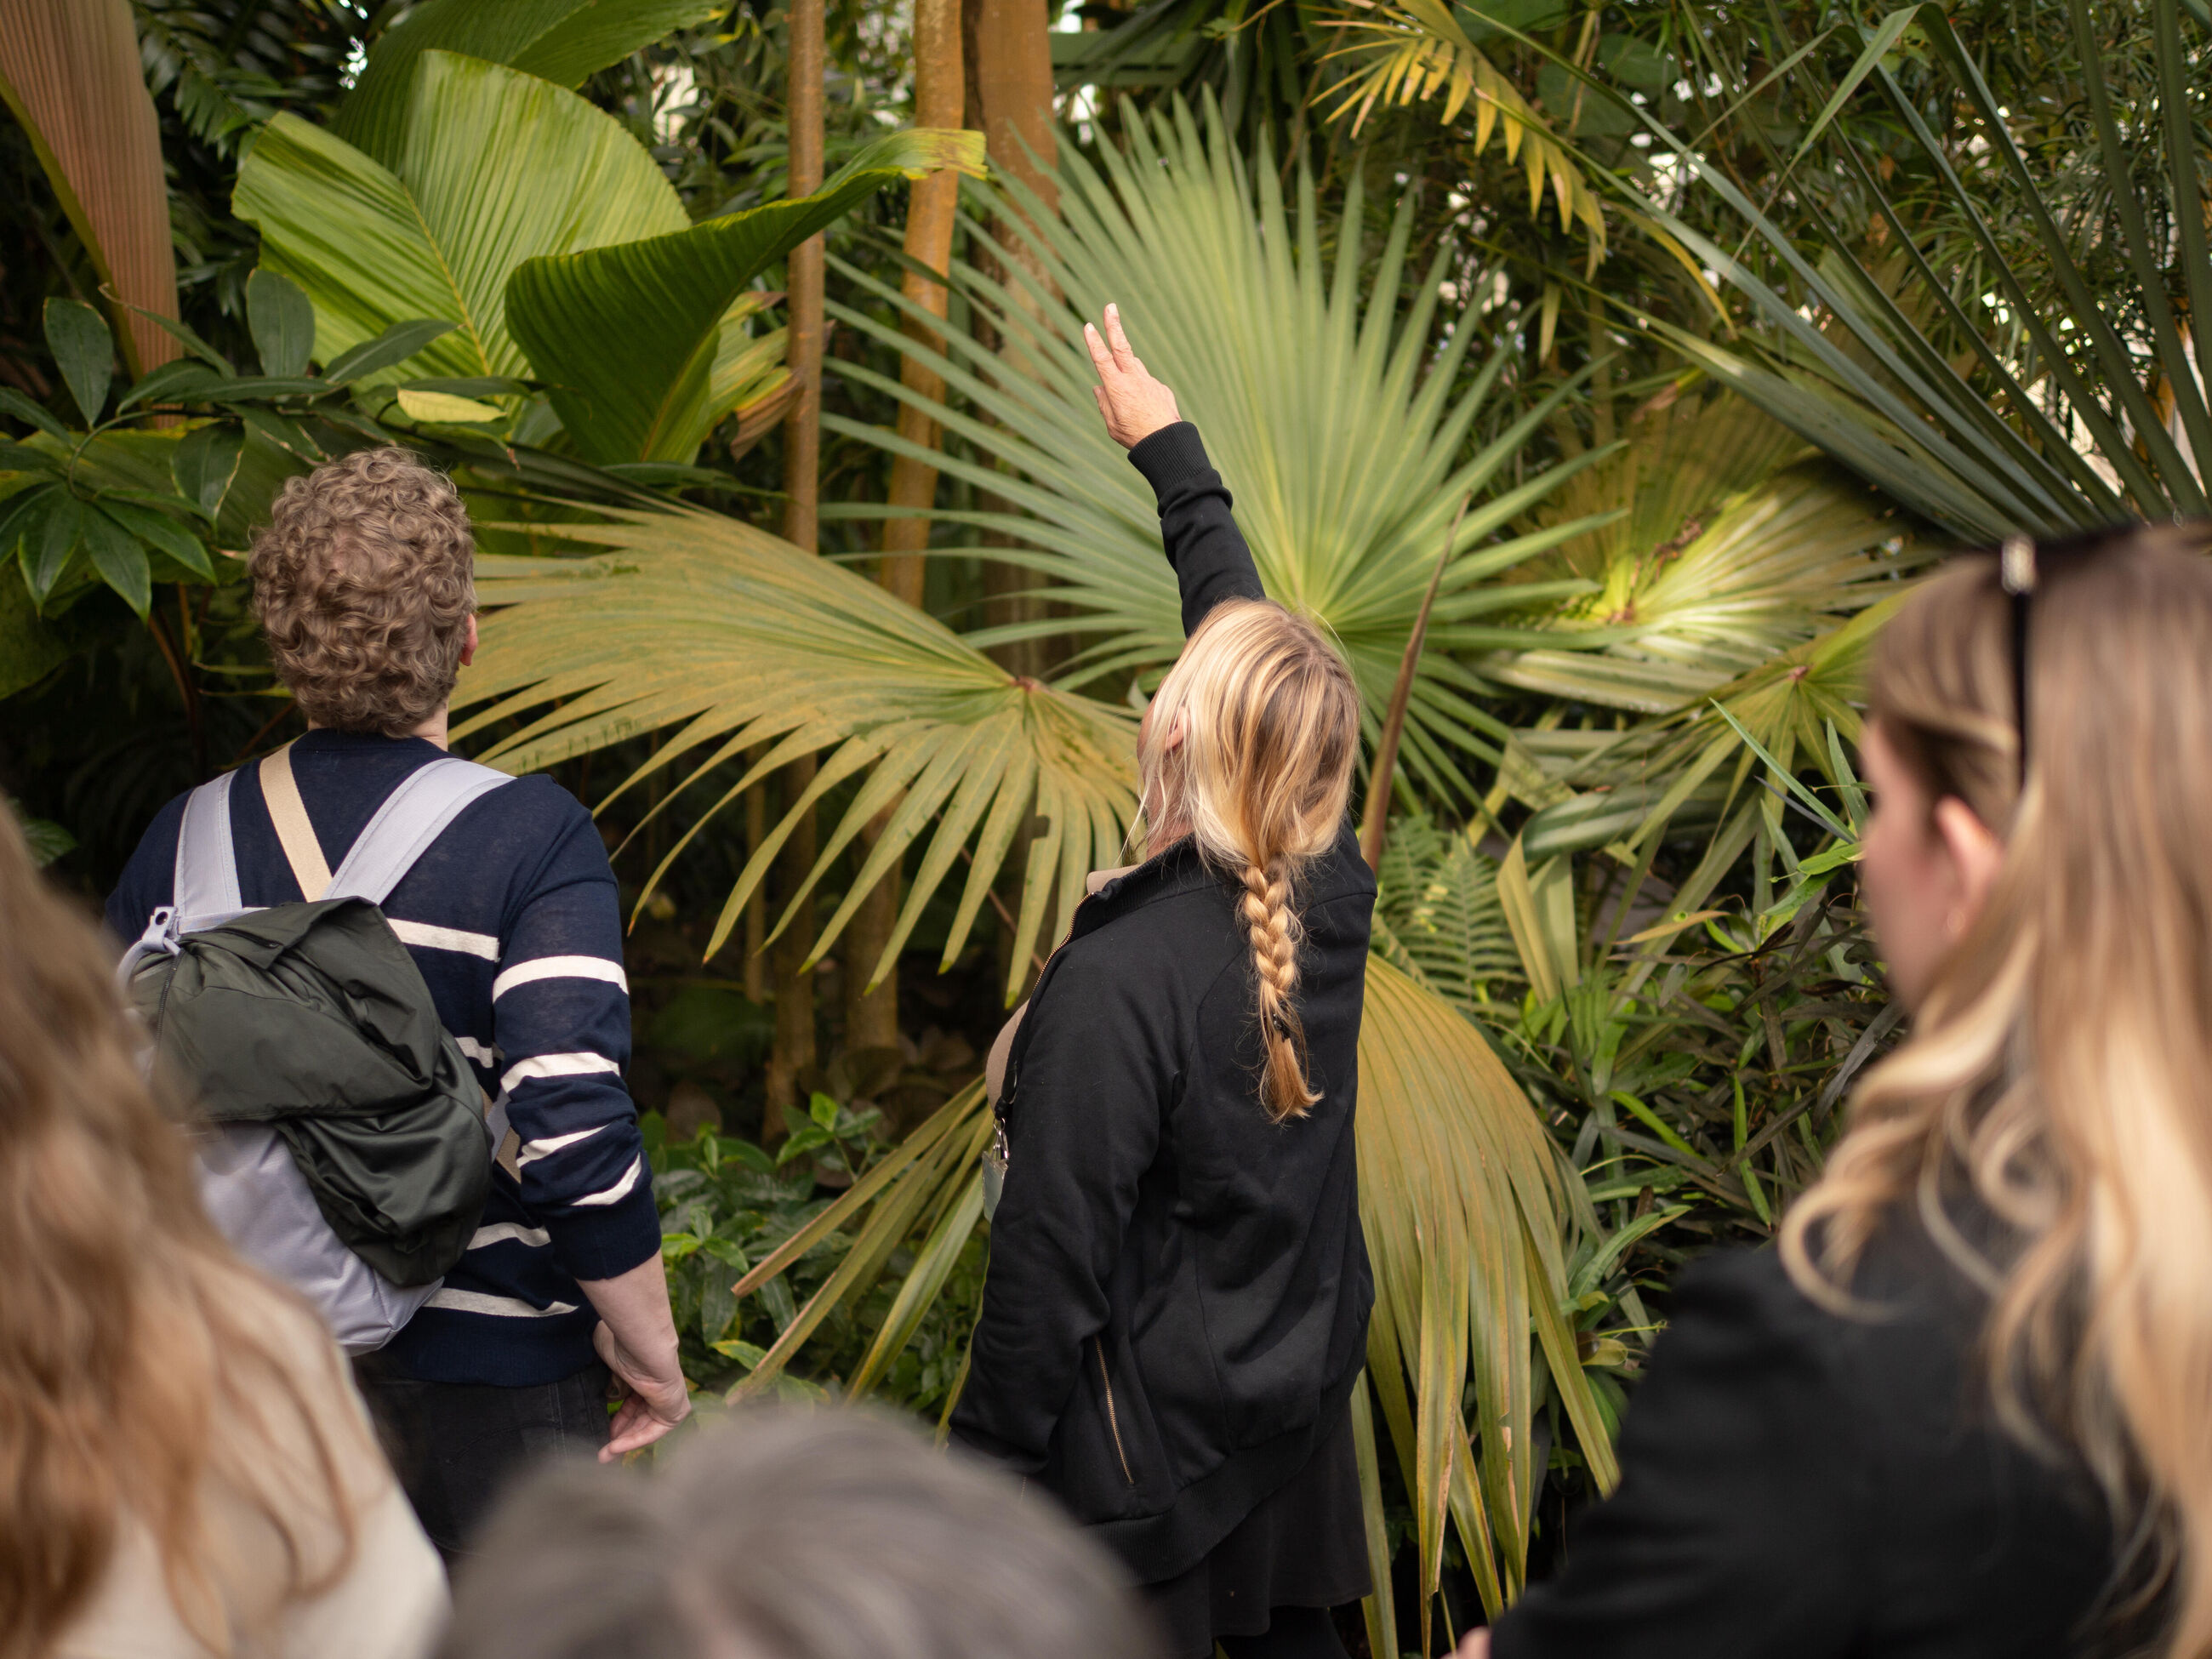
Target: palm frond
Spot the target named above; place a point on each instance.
(742, 640)
(1406, 51)
(1729, 549)
(1981, 407)
(1334, 419)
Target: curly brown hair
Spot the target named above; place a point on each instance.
(363, 584)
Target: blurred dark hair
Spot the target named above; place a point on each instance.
(783, 1535)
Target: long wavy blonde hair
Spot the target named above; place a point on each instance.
(2058, 1080)
(1270, 722)
(142, 1364)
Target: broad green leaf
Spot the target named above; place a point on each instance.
(282, 321)
(46, 555)
(14, 402)
(118, 558)
(444, 406)
(182, 381)
(84, 351)
(557, 41)
(205, 462)
(738, 640)
(628, 335)
(159, 530)
(397, 344)
(494, 167)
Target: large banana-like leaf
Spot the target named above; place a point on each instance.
(557, 41)
(69, 74)
(1333, 419)
(1984, 411)
(745, 640)
(628, 335)
(1462, 1202)
(494, 167)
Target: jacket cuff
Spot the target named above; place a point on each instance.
(1174, 459)
(603, 1243)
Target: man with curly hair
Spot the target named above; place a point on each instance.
(363, 583)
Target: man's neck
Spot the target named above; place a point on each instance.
(431, 730)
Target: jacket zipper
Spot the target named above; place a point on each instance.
(1113, 1418)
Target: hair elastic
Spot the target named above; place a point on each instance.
(2016, 575)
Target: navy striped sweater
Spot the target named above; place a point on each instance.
(512, 915)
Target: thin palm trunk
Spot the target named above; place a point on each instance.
(794, 1055)
(872, 1012)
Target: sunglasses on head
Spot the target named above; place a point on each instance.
(2016, 575)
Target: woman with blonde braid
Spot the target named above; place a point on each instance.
(1966, 1409)
(1176, 1306)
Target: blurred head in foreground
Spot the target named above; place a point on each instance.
(2039, 740)
(831, 1534)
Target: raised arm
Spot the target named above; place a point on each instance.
(1211, 563)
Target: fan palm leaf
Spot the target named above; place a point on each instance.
(740, 641)
(1334, 420)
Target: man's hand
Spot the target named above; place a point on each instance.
(653, 1397)
(636, 1336)
(1135, 405)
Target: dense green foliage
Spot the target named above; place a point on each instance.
(1725, 319)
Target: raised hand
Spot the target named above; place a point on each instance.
(1135, 405)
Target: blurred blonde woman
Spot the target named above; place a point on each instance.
(185, 1468)
(1178, 1299)
(1967, 1409)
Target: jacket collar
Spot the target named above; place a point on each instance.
(1178, 869)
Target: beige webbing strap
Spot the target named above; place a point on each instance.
(289, 814)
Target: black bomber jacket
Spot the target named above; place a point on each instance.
(1177, 1302)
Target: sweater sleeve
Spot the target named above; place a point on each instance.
(1084, 1126)
(1734, 1525)
(1211, 563)
(561, 1010)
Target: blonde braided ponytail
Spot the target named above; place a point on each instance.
(1248, 749)
(1274, 929)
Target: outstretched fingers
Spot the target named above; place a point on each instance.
(1101, 359)
(1124, 359)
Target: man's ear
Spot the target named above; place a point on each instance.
(469, 644)
(1976, 855)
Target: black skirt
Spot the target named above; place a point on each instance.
(1304, 1546)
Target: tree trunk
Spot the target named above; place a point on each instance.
(1010, 101)
(1010, 98)
(792, 1057)
(871, 1015)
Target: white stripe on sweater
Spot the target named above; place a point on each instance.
(501, 1231)
(503, 1307)
(528, 972)
(544, 1066)
(446, 938)
(534, 1150)
(482, 1053)
(620, 1190)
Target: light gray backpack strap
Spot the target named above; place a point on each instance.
(206, 890)
(412, 817)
